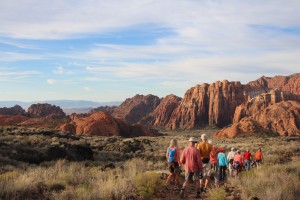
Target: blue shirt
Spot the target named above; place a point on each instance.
(222, 159)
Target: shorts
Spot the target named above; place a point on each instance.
(258, 161)
(206, 170)
(190, 175)
(174, 167)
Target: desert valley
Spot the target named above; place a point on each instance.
(118, 152)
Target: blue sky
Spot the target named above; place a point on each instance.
(111, 50)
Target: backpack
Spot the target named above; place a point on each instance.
(236, 164)
(172, 154)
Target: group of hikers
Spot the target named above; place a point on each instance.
(203, 160)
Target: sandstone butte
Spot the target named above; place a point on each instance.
(275, 111)
(44, 109)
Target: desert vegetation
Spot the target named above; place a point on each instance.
(132, 168)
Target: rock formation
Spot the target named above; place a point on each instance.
(16, 110)
(103, 124)
(43, 110)
(289, 84)
(275, 111)
(162, 113)
(135, 108)
(9, 120)
(108, 109)
(206, 104)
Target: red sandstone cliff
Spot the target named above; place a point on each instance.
(275, 111)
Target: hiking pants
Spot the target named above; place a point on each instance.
(247, 165)
(222, 173)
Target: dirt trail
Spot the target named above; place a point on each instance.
(190, 192)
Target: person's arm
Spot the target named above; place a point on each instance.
(178, 155)
(182, 157)
(226, 161)
(199, 161)
(167, 154)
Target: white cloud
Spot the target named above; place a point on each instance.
(86, 88)
(51, 81)
(63, 19)
(12, 56)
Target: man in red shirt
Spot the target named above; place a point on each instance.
(191, 158)
(247, 159)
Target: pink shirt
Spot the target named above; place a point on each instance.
(177, 155)
(238, 158)
(192, 159)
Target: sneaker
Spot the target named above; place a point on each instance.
(204, 190)
(181, 194)
(198, 195)
(176, 187)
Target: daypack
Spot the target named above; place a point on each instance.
(236, 163)
(172, 154)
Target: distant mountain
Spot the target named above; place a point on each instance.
(61, 103)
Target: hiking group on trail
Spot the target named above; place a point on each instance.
(203, 161)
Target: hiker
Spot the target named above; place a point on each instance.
(205, 150)
(173, 155)
(213, 159)
(238, 162)
(230, 157)
(223, 164)
(191, 158)
(247, 159)
(258, 158)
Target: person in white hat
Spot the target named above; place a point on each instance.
(191, 159)
(230, 158)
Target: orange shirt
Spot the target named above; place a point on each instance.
(258, 155)
(205, 149)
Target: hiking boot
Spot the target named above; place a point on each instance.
(202, 189)
(198, 195)
(181, 194)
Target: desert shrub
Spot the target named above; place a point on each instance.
(9, 176)
(146, 183)
(134, 167)
(217, 194)
(55, 185)
(271, 182)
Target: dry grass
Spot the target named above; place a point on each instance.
(67, 180)
(271, 182)
(217, 194)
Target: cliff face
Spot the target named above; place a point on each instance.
(162, 113)
(206, 104)
(135, 108)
